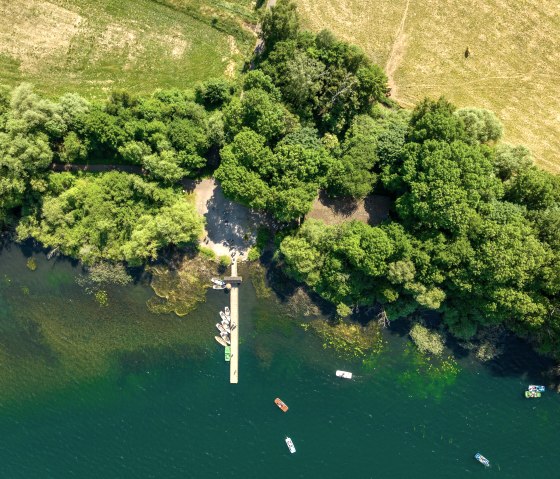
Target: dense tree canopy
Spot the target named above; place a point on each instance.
(113, 216)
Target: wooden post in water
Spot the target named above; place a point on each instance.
(234, 336)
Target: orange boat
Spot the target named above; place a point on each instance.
(281, 404)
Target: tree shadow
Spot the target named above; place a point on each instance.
(378, 208)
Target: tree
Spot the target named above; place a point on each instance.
(113, 217)
(480, 125)
(281, 22)
(435, 120)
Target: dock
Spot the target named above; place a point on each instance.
(234, 281)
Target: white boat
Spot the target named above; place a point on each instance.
(224, 317)
(226, 327)
(344, 374)
(225, 337)
(480, 458)
(290, 445)
(220, 340)
(226, 310)
(540, 389)
(221, 328)
(215, 286)
(218, 282)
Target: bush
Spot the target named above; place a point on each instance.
(427, 341)
(206, 252)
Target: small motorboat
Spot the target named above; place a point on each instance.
(227, 353)
(221, 328)
(540, 389)
(226, 309)
(480, 458)
(226, 327)
(281, 404)
(344, 374)
(220, 341)
(225, 319)
(225, 337)
(532, 394)
(218, 282)
(290, 445)
(215, 286)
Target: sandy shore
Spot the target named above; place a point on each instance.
(231, 228)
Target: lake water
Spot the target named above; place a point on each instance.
(118, 392)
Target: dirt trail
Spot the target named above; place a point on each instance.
(397, 53)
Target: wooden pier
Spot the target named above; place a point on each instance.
(234, 281)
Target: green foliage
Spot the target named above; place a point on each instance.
(283, 180)
(213, 93)
(206, 253)
(281, 22)
(322, 78)
(114, 216)
(480, 125)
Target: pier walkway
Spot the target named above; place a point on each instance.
(234, 336)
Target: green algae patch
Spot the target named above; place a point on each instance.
(350, 340)
(258, 279)
(180, 285)
(31, 264)
(427, 375)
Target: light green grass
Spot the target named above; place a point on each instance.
(94, 46)
(514, 68)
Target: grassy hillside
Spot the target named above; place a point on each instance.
(92, 46)
(514, 67)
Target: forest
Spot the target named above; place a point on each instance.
(474, 231)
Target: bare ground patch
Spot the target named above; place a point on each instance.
(372, 210)
(34, 31)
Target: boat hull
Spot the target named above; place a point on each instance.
(532, 394)
(220, 340)
(344, 374)
(290, 445)
(281, 404)
(227, 353)
(480, 458)
(224, 317)
(540, 389)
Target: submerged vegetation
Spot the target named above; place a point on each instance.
(349, 340)
(180, 285)
(426, 376)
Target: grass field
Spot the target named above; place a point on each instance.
(513, 69)
(93, 46)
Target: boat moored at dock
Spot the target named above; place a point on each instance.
(220, 340)
(224, 317)
(227, 353)
(218, 282)
(281, 404)
(290, 445)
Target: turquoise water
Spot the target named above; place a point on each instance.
(150, 398)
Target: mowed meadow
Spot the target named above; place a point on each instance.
(93, 46)
(513, 67)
